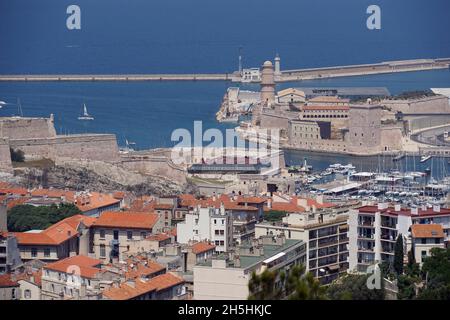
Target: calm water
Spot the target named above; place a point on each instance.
(141, 36)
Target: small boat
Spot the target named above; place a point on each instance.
(85, 115)
(398, 158)
(425, 159)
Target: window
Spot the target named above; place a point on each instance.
(223, 221)
(216, 232)
(222, 232)
(222, 243)
(116, 234)
(33, 252)
(47, 252)
(143, 235)
(130, 235)
(102, 250)
(27, 294)
(424, 253)
(102, 234)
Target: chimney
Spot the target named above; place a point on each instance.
(437, 208)
(397, 207)
(319, 199)
(382, 205)
(414, 210)
(131, 283)
(3, 218)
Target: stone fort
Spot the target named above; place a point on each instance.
(37, 138)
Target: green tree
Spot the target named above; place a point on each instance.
(436, 271)
(17, 155)
(354, 287)
(274, 215)
(398, 255)
(26, 217)
(296, 284)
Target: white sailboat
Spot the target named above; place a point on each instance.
(85, 115)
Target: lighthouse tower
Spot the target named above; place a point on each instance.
(267, 83)
(277, 65)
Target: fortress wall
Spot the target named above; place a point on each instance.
(27, 128)
(34, 149)
(5, 156)
(100, 147)
(434, 104)
(418, 123)
(391, 138)
(86, 146)
(155, 166)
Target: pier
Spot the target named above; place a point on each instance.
(285, 76)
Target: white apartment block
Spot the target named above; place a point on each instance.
(207, 224)
(373, 231)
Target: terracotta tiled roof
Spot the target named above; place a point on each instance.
(142, 270)
(53, 193)
(163, 206)
(126, 219)
(88, 267)
(6, 281)
(330, 107)
(158, 237)
(428, 212)
(16, 202)
(201, 247)
(55, 234)
(94, 201)
(14, 191)
(328, 99)
(158, 283)
(427, 231)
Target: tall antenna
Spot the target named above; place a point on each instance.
(240, 60)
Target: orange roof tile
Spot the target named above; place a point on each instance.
(427, 231)
(6, 281)
(88, 267)
(55, 234)
(144, 270)
(158, 237)
(126, 219)
(94, 200)
(201, 247)
(158, 283)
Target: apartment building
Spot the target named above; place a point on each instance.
(325, 232)
(68, 237)
(226, 277)
(373, 230)
(423, 238)
(207, 224)
(114, 233)
(9, 288)
(73, 278)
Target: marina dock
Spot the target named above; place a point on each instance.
(286, 75)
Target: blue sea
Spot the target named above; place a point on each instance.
(199, 36)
